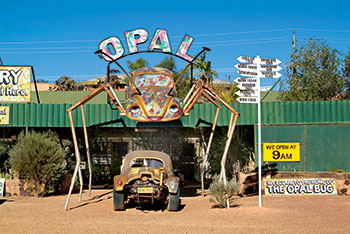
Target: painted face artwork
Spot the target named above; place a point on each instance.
(113, 48)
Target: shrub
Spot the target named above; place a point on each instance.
(37, 158)
(221, 194)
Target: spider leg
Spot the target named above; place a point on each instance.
(200, 89)
(77, 171)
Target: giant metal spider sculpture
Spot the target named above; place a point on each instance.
(151, 97)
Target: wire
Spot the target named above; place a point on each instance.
(123, 39)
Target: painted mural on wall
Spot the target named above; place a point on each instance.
(15, 84)
(4, 114)
(314, 186)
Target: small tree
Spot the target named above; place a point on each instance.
(37, 158)
(223, 194)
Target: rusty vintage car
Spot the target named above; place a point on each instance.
(146, 177)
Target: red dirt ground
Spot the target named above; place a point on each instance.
(288, 214)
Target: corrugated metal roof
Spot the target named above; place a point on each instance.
(55, 115)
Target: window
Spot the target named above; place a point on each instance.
(146, 162)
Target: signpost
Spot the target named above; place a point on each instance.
(254, 68)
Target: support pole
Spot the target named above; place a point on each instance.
(77, 166)
(208, 149)
(87, 148)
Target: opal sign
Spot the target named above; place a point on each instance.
(113, 48)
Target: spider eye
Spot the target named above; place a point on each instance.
(135, 109)
(174, 109)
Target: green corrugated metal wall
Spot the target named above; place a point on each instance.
(322, 128)
(322, 146)
(71, 97)
(54, 115)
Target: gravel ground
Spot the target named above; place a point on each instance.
(288, 214)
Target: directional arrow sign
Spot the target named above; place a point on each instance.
(246, 59)
(245, 80)
(248, 93)
(269, 67)
(248, 73)
(250, 67)
(270, 74)
(269, 61)
(248, 100)
(248, 86)
(262, 74)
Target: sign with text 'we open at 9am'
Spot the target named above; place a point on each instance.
(279, 152)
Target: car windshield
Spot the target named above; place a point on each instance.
(146, 162)
(146, 80)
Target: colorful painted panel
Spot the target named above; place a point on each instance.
(4, 114)
(117, 46)
(132, 41)
(314, 186)
(153, 80)
(15, 84)
(160, 41)
(184, 47)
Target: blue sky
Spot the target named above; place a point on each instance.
(59, 38)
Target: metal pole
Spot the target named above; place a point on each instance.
(208, 149)
(259, 132)
(87, 148)
(77, 157)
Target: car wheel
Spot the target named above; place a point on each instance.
(118, 200)
(174, 201)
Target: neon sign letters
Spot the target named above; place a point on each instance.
(159, 43)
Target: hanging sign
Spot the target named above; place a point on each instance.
(279, 152)
(314, 186)
(4, 114)
(114, 49)
(15, 84)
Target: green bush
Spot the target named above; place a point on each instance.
(38, 158)
(221, 194)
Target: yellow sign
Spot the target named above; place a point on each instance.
(280, 152)
(4, 114)
(15, 84)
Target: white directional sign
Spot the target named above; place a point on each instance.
(262, 74)
(270, 61)
(248, 86)
(246, 59)
(254, 67)
(269, 67)
(270, 74)
(250, 67)
(248, 99)
(248, 93)
(248, 73)
(245, 80)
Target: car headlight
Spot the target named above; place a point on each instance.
(135, 109)
(172, 185)
(174, 109)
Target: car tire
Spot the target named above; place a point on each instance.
(118, 200)
(174, 201)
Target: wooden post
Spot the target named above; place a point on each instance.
(87, 148)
